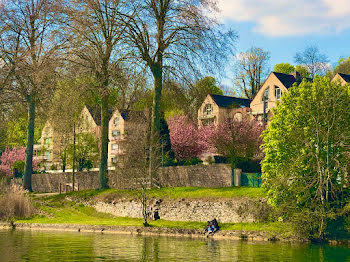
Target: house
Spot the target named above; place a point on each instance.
(271, 91)
(215, 109)
(344, 78)
(48, 148)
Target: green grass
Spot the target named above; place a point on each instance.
(72, 213)
(165, 193)
(67, 209)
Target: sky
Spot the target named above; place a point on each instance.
(284, 27)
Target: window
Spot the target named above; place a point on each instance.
(114, 160)
(116, 121)
(47, 154)
(278, 92)
(116, 133)
(48, 141)
(115, 146)
(266, 94)
(208, 109)
(238, 117)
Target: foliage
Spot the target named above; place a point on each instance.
(250, 71)
(200, 90)
(306, 153)
(186, 140)
(86, 151)
(10, 156)
(238, 139)
(343, 66)
(15, 203)
(303, 71)
(313, 60)
(284, 68)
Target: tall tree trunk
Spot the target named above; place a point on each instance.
(157, 72)
(104, 142)
(30, 144)
(155, 122)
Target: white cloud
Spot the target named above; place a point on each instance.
(286, 18)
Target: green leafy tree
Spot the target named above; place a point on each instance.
(86, 151)
(284, 68)
(306, 146)
(343, 66)
(302, 70)
(201, 89)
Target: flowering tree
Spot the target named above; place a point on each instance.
(238, 139)
(11, 156)
(186, 140)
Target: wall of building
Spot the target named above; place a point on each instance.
(218, 175)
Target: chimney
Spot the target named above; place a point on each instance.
(296, 75)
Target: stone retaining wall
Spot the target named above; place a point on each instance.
(218, 175)
(225, 211)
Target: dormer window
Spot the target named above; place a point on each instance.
(208, 109)
(116, 121)
(266, 94)
(278, 92)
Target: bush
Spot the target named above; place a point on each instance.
(15, 203)
(18, 168)
(53, 167)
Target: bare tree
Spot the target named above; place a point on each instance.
(313, 60)
(250, 70)
(135, 162)
(95, 33)
(175, 38)
(30, 51)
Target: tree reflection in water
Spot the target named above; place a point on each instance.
(20, 245)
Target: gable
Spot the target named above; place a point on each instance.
(271, 81)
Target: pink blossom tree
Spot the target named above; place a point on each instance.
(10, 156)
(238, 139)
(186, 140)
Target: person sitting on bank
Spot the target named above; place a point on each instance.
(212, 227)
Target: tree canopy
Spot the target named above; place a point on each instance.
(306, 164)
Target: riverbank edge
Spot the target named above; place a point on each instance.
(256, 236)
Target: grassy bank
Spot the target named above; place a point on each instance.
(69, 208)
(68, 212)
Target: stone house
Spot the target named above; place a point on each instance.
(274, 86)
(271, 91)
(215, 109)
(344, 78)
(48, 148)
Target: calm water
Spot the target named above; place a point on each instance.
(52, 246)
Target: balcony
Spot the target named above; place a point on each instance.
(203, 117)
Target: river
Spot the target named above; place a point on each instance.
(21, 245)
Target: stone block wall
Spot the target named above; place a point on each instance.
(218, 175)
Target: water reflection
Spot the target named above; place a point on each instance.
(58, 246)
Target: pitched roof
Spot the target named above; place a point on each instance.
(286, 79)
(289, 79)
(227, 101)
(96, 113)
(345, 77)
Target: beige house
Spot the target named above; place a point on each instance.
(271, 91)
(48, 148)
(343, 78)
(215, 109)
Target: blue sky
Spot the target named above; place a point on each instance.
(284, 27)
